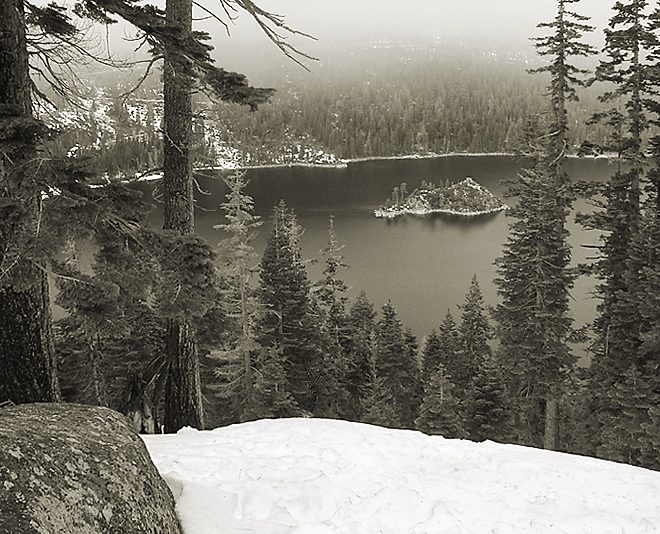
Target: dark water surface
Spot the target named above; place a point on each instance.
(423, 264)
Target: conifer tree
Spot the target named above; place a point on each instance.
(396, 366)
(534, 280)
(29, 371)
(535, 277)
(359, 347)
(487, 409)
(446, 350)
(474, 334)
(564, 43)
(287, 324)
(381, 405)
(628, 40)
(330, 291)
(625, 424)
(237, 257)
(270, 397)
(625, 267)
(439, 412)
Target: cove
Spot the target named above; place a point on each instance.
(422, 264)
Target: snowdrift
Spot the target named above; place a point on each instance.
(326, 476)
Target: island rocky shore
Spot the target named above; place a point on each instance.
(466, 198)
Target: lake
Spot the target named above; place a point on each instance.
(423, 264)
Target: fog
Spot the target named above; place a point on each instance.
(508, 20)
(243, 46)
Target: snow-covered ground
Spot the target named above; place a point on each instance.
(317, 476)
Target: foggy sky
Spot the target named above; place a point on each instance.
(509, 20)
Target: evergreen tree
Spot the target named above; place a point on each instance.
(447, 349)
(270, 396)
(628, 39)
(487, 410)
(359, 347)
(564, 43)
(287, 320)
(396, 366)
(624, 326)
(381, 405)
(330, 291)
(237, 257)
(29, 372)
(439, 412)
(625, 422)
(474, 334)
(534, 326)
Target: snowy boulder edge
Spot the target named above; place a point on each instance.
(74, 468)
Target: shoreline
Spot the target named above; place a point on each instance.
(342, 164)
(387, 214)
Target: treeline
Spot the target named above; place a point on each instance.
(420, 101)
(402, 99)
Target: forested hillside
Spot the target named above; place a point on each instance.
(393, 99)
(362, 100)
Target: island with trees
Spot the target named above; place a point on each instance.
(466, 198)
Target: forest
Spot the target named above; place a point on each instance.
(402, 99)
(174, 332)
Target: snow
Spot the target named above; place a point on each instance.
(319, 476)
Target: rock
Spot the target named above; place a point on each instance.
(67, 468)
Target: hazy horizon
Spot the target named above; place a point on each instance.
(509, 23)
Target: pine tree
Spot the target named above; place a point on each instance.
(287, 320)
(626, 419)
(533, 321)
(237, 257)
(396, 366)
(487, 409)
(446, 350)
(563, 44)
(29, 372)
(359, 347)
(439, 412)
(270, 397)
(474, 334)
(330, 291)
(628, 39)
(381, 405)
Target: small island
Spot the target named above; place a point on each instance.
(466, 198)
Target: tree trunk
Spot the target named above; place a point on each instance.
(28, 371)
(551, 437)
(183, 397)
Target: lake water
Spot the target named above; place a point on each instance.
(423, 264)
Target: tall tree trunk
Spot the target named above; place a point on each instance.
(551, 437)
(183, 394)
(28, 371)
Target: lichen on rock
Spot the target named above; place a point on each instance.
(68, 468)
